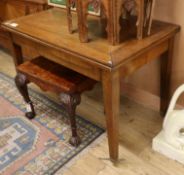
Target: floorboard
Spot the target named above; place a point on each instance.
(138, 125)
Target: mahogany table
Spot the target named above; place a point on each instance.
(47, 33)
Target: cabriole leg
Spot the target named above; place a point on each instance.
(21, 83)
(70, 101)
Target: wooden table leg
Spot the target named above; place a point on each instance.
(165, 79)
(111, 91)
(16, 52)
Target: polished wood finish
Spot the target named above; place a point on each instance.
(53, 77)
(111, 86)
(21, 82)
(113, 10)
(47, 33)
(11, 9)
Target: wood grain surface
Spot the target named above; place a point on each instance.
(47, 33)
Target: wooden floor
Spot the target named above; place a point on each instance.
(138, 125)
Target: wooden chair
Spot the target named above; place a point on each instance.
(53, 77)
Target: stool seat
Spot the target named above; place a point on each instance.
(53, 77)
(58, 77)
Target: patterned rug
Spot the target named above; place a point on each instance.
(40, 146)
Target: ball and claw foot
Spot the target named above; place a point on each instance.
(75, 141)
(30, 114)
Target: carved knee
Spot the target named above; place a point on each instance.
(20, 80)
(71, 100)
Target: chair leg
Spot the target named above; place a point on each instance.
(21, 83)
(71, 101)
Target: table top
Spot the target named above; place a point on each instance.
(50, 28)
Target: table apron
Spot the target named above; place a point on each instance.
(66, 59)
(87, 68)
(154, 53)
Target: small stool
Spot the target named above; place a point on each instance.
(53, 77)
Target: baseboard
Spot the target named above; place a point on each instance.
(142, 97)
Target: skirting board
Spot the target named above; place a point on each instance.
(143, 97)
